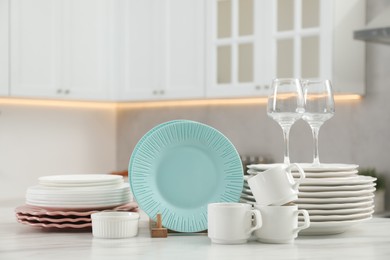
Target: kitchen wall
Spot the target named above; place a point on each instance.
(358, 133)
(38, 140)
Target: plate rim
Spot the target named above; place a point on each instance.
(193, 225)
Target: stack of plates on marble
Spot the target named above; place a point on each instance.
(335, 196)
(66, 201)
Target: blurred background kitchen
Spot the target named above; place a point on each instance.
(82, 81)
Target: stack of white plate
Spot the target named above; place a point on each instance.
(79, 191)
(335, 196)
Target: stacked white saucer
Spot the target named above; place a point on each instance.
(79, 191)
(335, 196)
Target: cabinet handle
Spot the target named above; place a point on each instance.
(162, 92)
(59, 91)
(67, 91)
(266, 86)
(258, 87)
(155, 92)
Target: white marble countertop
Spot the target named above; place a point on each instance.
(369, 240)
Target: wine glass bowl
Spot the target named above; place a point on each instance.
(286, 106)
(319, 107)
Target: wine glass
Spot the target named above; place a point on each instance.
(319, 107)
(286, 106)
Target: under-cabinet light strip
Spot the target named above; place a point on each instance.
(151, 104)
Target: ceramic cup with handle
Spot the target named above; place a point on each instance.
(280, 223)
(231, 223)
(276, 186)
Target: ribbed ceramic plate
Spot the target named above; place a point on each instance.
(180, 168)
(144, 137)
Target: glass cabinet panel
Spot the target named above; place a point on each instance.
(310, 60)
(285, 15)
(224, 64)
(245, 17)
(224, 14)
(285, 58)
(310, 13)
(245, 62)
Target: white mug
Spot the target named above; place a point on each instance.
(276, 186)
(280, 223)
(231, 223)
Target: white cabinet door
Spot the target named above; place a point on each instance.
(35, 43)
(59, 49)
(4, 48)
(84, 49)
(162, 49)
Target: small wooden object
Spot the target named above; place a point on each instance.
(158, 230)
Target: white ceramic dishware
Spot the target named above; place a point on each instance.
(231, 223)
(280, 223)
(115, 224)
(276, 186)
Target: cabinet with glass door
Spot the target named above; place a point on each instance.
(250, 42)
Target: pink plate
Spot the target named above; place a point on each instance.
(56, 225)
(40, 219)
(80, 212)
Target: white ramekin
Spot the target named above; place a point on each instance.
(114, 224)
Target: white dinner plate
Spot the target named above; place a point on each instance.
(315, 174)
(336, 188)
(326, 218)
(324, 167)
(84, 197)
(360, 204)
(355, 180)
(78, 206)
(333, 200)
(324, 212)
(335, 194)
(247, 201)
(42, 190)
(80, 179)
(331, 227)
(247, 192)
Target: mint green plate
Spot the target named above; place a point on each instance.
(181, 167)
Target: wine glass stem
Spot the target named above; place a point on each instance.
(316, 159)
(286, 134)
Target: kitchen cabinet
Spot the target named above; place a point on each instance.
(4, 83)
(160, 55)
(59, 49)
(250, 42)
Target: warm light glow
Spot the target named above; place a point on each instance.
(151, 104)
(346, 98)
(56, 103)
(200, 102)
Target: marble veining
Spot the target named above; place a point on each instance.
(369, 240)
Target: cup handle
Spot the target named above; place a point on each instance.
(301, 174)
(306, 222)
(258, 219)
